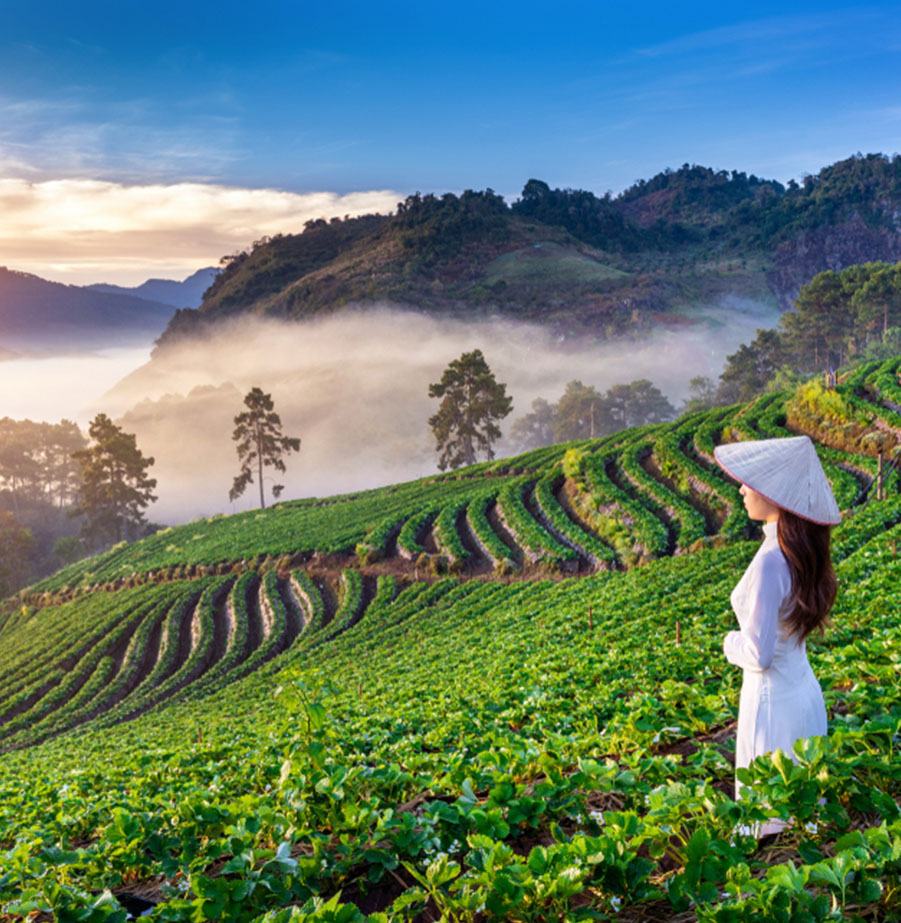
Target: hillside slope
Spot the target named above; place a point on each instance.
(579, 263)
(274, 708)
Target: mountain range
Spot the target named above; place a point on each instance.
(666, 251)
(38, 317)
(185, 294)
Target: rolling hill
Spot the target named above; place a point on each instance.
(494, 694)
(582, 264)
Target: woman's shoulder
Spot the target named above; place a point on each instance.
(772, 563)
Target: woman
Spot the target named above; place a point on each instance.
(784, 595)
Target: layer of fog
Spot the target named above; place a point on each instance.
(56, 387)
(354, 387)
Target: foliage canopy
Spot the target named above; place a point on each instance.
(260, 442)
(115, 488)
(472, 403)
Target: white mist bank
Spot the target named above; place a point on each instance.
(68, 387)
(354, 387)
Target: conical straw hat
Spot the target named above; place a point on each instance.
(786, 472)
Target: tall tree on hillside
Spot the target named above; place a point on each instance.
(115, 489)
(637, 403)
(877, 299)
(821, 325)
(702, 394)
(748, 370)
(472, 403)
(63, 475)
(36, 464)
(582, 413)
(258, 432)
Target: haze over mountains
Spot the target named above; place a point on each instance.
(668, 251)
(348, 322)
(38, 317)
(185, 294)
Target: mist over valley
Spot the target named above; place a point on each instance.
(354, 387)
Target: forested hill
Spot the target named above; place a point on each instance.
(573, 259)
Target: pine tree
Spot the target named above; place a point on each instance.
(472, 402)
(258, 432)
(115, 488)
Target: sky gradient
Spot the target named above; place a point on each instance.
(246, 119)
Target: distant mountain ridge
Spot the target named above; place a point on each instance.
(38, 316)
(572, 260)
(185, 294)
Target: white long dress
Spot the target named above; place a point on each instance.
(781, 700)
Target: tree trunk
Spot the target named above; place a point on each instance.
(117, 478)
(468, 452)
(879, 489)
(260, 465)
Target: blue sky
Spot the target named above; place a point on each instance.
(350, 98)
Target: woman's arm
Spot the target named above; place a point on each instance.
(769, 582)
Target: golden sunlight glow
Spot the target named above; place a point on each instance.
(81, 231)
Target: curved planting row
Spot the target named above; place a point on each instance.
(689, 523)
(885, 384)
(706, 436)
(351, 603)
(310, 600)
(537, 543)
(621, 520)
(447, 534)
(378, 541)
(485, 537)
(692, 477)
(98, 677)
(408, 541)
(166, 660)
(39, 692)
(197, 635)
(191, 639)
(556, 520)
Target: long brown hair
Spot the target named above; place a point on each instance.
(805, 545)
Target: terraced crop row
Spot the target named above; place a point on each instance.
(656, 492)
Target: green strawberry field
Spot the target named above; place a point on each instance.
(493, 694)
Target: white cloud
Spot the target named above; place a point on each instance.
(85, 230)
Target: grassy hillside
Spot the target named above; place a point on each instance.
(497, 694)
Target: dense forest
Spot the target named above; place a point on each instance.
(61, 499)
(839, 319)
(569, 258)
